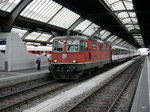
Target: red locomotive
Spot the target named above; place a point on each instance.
(73, 55)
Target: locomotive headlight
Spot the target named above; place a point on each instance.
(74, 61)
(55, 61)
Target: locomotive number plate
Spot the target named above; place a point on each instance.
(64, 56)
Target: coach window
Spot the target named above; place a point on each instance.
(81, 45)
(58, 45)
(72, 45)
(121, 51)
(118, 51)
(94, 47)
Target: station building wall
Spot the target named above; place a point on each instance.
(16, 56)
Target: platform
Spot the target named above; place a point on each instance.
(141, 101)
(19, 76)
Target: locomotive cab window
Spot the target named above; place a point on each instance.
(72, 45)
(58, 45)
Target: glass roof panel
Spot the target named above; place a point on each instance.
(123, 15)
(32, 36)
(99, 33)
(136, 37)
(130, 28)
(117, 41)
(19, 31)
(129, 5)
(90, 30)
(126, 20)
(111, 1)
(83, 25)
(106, 34)
(44, 37)
(29, 8)
(123, 42)
(134, 20)
(41, 10)
(118, 6)
(132, 14)
(102, 32)
(126, 44)
(129, 0)
(137, 27)
(111, 37)
(64, 18)
(8, 5)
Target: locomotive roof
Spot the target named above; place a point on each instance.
(79, 37)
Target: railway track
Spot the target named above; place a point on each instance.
(18, 98)
(10, 102)
(115, 96)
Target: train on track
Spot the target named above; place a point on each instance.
(73, 56)
(33, 49)
(39, 49)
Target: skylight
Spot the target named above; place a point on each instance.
(8, 5)
(50, 12)
(124, 10)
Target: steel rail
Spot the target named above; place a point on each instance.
(123, 89)
(78, 103)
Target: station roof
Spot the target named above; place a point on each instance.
(123, 22)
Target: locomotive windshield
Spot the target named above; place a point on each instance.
(58, 45)
(72, 45)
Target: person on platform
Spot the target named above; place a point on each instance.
(38, 61)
